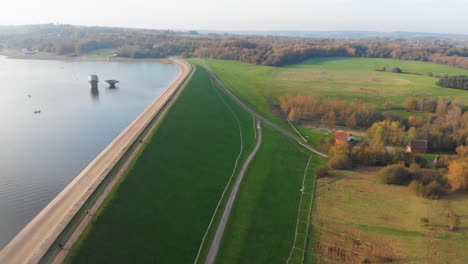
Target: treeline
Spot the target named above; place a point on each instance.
(445, 130)
(329, 112)
(263, 50)
(456, 82)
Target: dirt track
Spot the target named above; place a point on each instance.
(215, 244)
(286, 133)
(35, 239)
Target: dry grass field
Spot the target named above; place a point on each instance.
(356, 218)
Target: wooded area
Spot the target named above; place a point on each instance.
(456, 82)
(262, 50)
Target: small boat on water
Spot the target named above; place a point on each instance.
(112, 83)
(37, 111)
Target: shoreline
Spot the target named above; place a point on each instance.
(35, 239)
(18, 55)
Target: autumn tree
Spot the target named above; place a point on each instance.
(415, 121)
(292, 114)
(351, 121)
(339, 154)
(410, 104)
(442, 105)
(387, 132)
(329, 119)
(457, 175)
(462, 150)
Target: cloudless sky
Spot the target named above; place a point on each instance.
(444, 16)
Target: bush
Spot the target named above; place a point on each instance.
(456, 82)
(340, 163)
(424, 220)
(416, 187)
(453, 222)
(409, 158)
(322, 172)
(433, 190)
(395, 174)
(410, 104)
(414, 168)
(397, 70)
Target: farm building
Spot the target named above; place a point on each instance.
(417, 146)
(343, 137)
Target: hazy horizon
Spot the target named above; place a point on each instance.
(429, 16)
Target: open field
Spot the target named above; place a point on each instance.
(349, 79)
(161, 209)
(263, 221)
(370, 64)
(356, 218)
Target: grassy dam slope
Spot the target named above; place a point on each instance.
(161, 209)
(262, 225)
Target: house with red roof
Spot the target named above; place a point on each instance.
(343, 137)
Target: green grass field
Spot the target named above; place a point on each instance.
(160, 211)
(102, 53)
(370, 64)
(357, 218)
(262, 224)
(349, 79)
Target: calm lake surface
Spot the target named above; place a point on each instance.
(41, 153)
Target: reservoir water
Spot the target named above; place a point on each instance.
(40, 153)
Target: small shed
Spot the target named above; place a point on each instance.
(417, 146)
(343, 137)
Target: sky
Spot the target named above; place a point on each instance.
(442, 16)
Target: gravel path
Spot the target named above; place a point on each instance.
(214, 248)
(286, 133)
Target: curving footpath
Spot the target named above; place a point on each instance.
(214, 248)
(35, 239)
(286, 133)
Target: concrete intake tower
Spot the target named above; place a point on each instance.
(93, 80)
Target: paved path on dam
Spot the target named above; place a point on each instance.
(36, 238)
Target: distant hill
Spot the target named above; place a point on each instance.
(37, 29)
(338, 34)
(342, 34)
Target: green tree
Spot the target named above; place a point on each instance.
(412, 134)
